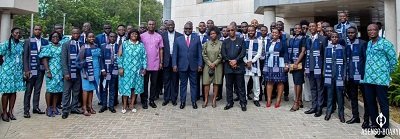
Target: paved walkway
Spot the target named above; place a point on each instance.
(171, 122)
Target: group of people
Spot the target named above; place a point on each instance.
(252, 59)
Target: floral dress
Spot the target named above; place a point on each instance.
(132, 60)
(11, 71)
(53, 53)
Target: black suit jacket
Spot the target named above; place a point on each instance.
(167, 56)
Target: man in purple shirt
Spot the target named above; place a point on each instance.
(153, 44)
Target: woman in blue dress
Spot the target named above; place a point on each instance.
(275, 67)
(51, 59)
(132, 64)
(11, 73)
(90, 63)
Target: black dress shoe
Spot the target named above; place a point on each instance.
(27, 115)
(152, 104)
(342, 120)
(12, 117)
(219, 98)
(327, 117)
(165, 103)
(244, 108)
(103, 109)
(112, 110)
(249, 98)
(145, 106)
(174, 103)
(64, 115)
(38, 111)
(5, 118)
(310, 111)
(380, 135)
(236, 99)
(353, 120)
(99, 103)
(77, 111)
(229, 106)
(257, 103)
(182, 106)
(286, 98)
(318, 114)
(194, 105)
(365, 125)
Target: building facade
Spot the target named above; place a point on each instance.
(291, 12)
(8, 8)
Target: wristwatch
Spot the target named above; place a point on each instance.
(47, 71)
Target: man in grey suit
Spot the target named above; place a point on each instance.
(72, 79)
(34, 70)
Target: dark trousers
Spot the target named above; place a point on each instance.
(34, 85)
(152, 76)
(353, 95)
(332, 90)
(317, 89)
(380, 93)
(199, 83)
(238, 81)
(109, 91)
(171, 83)
(160, 84)
(183, 78)
(72, 89)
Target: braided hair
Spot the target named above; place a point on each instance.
(11, 37)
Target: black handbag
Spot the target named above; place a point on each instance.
(1, 60)
(211, 72)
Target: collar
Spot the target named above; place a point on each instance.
(137, 42)
(188, 36)
(279, 40)
(173, 33)
(315, 36)
(202, 34)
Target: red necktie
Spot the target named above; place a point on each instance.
(187, 41)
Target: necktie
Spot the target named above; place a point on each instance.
(106, 38)
(343, 30)
(120, 41)
(77, 45)
(263, 45)
(187, 41)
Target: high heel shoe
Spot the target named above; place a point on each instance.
(294, 108)
(92, 111)
(277, 104)
(11, 116)
(214, 104)
(85, 112)
(268, 104)
(5, 118)
(301, 104)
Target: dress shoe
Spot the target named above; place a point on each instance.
(145, 106)
(64, 115)
(11, 116)
(257, 103)
(244, 108)
(342, 120)
(57, 112)
(365, 125)
(236, 99)
(38, 111)
(77, 111)
(174, 103)
(5, 118)
(380, 135)
(318, 113)
(227, 107)
(327, 117)
(286, 98)
(165, 103)
(112, 110)
(310, 111)
(152, 104)
(219, 98)
(353, 120)
(103, 109)
(248, 97)
(194, 105)
(182, 106)
(27, 115)
(99, 103)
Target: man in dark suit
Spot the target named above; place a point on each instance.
(170, 78)
(102, 39)
(34, 70)
(233, 51)
(187, 59)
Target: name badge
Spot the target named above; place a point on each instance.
(108, 77)
(115, 72)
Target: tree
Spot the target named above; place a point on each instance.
(97, 12)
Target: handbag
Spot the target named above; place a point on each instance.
(211, 72)
(1, 60)
(299, 67)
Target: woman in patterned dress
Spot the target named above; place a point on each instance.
(90, 62)
(132, 67)
(51, 59)
(275, 67)
(11, 73)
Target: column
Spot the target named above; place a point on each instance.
(390, 21)
(167, 10)
(269, 15)
(5, 25)
(398, 26)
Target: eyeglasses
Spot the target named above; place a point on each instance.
(187, 28)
